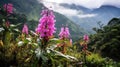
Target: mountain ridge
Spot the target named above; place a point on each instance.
(102, 14)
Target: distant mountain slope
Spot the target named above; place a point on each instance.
(103, 14)
(32, 9)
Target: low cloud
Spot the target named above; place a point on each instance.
(87, 3)
(87, 15)
(57, 8)
(67, 11)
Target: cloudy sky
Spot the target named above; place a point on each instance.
(88, 3)
(91, 4)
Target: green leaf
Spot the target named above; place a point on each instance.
(26, 41)
(54, 40)
(16, 30)
(20, 43)
(2, 29)
(35, 44)
(44, 58)
(71, 58)
(14, 26)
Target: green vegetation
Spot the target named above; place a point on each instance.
(26, 50)
(107, 40)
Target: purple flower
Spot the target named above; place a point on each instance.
(8, 7)
(64, 33)
(86, 37)
(46, 26)
(25, 29)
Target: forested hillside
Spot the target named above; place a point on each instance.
(107, 39)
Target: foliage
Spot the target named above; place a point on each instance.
(95, 60)
(106, 40)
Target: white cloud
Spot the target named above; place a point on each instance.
(55, 1)
(112, 2)
(91, 4)
(87, 15)
(57, 8)
(88, 3)
(67, 11)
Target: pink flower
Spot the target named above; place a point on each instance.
(25, 29)
(8, 7)
(64, 33)
(71, 41)
(46, 26)
(37, 30)
(86, 37)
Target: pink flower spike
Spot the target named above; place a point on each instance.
(64, 33)
(67, 32)
(8, 7)
(46, 26)
(25, 29)
(86, 37)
